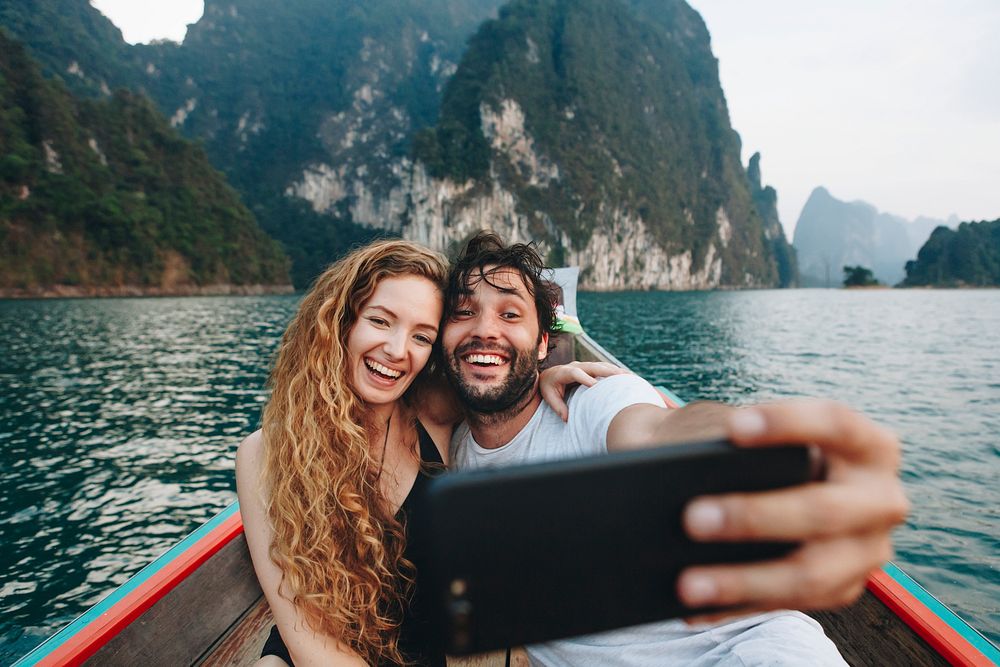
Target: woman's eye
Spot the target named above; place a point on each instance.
(378, 321)
(424, 339)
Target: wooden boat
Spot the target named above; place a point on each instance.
(200, 604)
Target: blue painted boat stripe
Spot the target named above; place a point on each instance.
(671, 395)
(954, 621)
(143, 575)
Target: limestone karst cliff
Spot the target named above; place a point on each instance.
(597, 128)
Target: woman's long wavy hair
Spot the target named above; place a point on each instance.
(336, 541)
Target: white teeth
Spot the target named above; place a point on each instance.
(484, 359)
(379, 368)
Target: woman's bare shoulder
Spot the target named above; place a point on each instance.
(250, 460)
(250, 489)
(252, 447)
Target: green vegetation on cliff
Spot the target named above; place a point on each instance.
(105, 193)
(967, 256)
(74, 42)
(270, 88)
(765, 198)
(311, 109)
(278, 87)
(624, 97)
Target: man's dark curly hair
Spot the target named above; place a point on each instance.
(487, 249)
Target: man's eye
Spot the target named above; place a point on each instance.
(463, 312)
(509, 315)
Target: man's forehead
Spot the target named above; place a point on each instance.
(504, 279)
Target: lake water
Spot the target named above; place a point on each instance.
(119, 419)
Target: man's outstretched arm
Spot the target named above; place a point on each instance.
(842, 522)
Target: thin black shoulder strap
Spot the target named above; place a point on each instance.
(428, 450)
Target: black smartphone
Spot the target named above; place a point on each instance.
(537, 552)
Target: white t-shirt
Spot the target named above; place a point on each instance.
(546, 437)
(777, 638)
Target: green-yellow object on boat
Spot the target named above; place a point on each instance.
(567, 324)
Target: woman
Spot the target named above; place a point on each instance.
(353, 419)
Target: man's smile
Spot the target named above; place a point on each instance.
(480, 359)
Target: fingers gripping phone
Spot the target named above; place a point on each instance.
(543, 551)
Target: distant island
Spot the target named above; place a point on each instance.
(859, 276)
(965, 257)
(831, 233)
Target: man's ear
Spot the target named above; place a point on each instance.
(543, 346)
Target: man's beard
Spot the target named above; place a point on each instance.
(494, 401)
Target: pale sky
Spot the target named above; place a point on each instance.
(896, 102)
(142, 21)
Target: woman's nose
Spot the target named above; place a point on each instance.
(395, 345)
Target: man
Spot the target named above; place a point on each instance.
(499, 311)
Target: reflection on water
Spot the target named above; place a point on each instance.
(925, 363)
(119, 418)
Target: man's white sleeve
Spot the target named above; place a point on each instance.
(591, 409)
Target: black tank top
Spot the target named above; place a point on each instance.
(413, 631)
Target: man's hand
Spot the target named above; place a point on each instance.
(842, 522)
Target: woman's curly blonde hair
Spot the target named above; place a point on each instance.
(336, 541)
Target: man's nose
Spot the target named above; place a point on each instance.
(486, 326)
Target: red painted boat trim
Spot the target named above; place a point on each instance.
(670, 403)
(935, 631)
(99, 632)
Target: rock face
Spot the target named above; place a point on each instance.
(618, 159)
(298, 102)
(765, 198)
(831, 234)
(597, 128)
